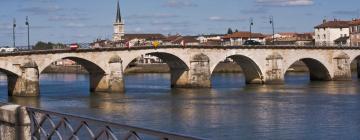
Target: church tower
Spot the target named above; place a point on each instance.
(119, 32)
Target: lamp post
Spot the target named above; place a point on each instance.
(273, 29)
(28, 31)
(14, 25)
(251, 24)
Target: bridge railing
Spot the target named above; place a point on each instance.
(68, 50)
(53, 125)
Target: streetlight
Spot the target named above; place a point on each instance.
(28, 31)
(251, 24)
(273, 29)
(14, 25)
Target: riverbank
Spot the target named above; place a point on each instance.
(163, 68)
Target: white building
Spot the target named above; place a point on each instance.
(329, 31)
(238, 38)
(212, 37)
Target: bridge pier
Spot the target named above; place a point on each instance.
(112, 81)
(27, 84)
(342, 68)
(198, 75)
(274, 74)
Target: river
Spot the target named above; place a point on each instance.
(300, 109)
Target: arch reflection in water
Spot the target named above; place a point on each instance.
(299, 109)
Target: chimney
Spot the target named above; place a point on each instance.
(324, 20)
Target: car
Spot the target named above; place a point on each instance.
(74, 46)
(251, 42)
(8, 49)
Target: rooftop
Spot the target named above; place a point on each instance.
(144, 36)
(355, 22)
(334, 24)
(244, 35)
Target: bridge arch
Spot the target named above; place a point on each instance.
(318, 70)
(355, 64)
(251, 69)
(97, 70)
(11, 79)
(177, 65)
(88, 64)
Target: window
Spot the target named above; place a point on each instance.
(340, 29)
(318, 36)
(324, 36)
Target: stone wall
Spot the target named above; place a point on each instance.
(14, 123)
(65, 69)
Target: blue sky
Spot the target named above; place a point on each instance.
(70, 21)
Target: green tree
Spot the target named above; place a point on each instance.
(230, 31)
(43, 46)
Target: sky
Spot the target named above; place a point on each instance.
(70, 21)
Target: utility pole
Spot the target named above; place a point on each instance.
(14, 25)
(251, 24)
(28, 31)
(273, 29)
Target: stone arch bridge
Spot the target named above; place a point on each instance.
(191, 66)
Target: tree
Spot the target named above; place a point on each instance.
(43, 46)
(230, 31)
(236, 30)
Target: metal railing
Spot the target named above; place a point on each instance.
(52, 125)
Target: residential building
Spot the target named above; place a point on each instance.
(186, 40)
(297, 39)
(143, 39)
(181, 40)
(211, 37)
(170, 39)
(329, 31)
(238, 38)
(101, 43)
(355, 32)
(284, 35)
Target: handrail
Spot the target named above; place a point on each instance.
(38, 118)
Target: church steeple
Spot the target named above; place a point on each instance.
(119, 32)
(118, 14)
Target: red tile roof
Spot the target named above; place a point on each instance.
(144, 36)
(244, 35)
(186, 39)
(355, 22)
(334, 24)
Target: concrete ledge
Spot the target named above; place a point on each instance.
(14, 123)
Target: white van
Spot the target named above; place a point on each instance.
(7, 49)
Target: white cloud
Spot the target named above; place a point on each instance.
(180, 3)
(150, 16)
(67, 18)
(41, 10)
(223, 19)
(285, 2)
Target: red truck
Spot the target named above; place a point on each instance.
(74, 46)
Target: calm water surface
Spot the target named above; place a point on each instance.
(300, 109)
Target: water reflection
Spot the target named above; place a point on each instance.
(299, 109)
(27, 101)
